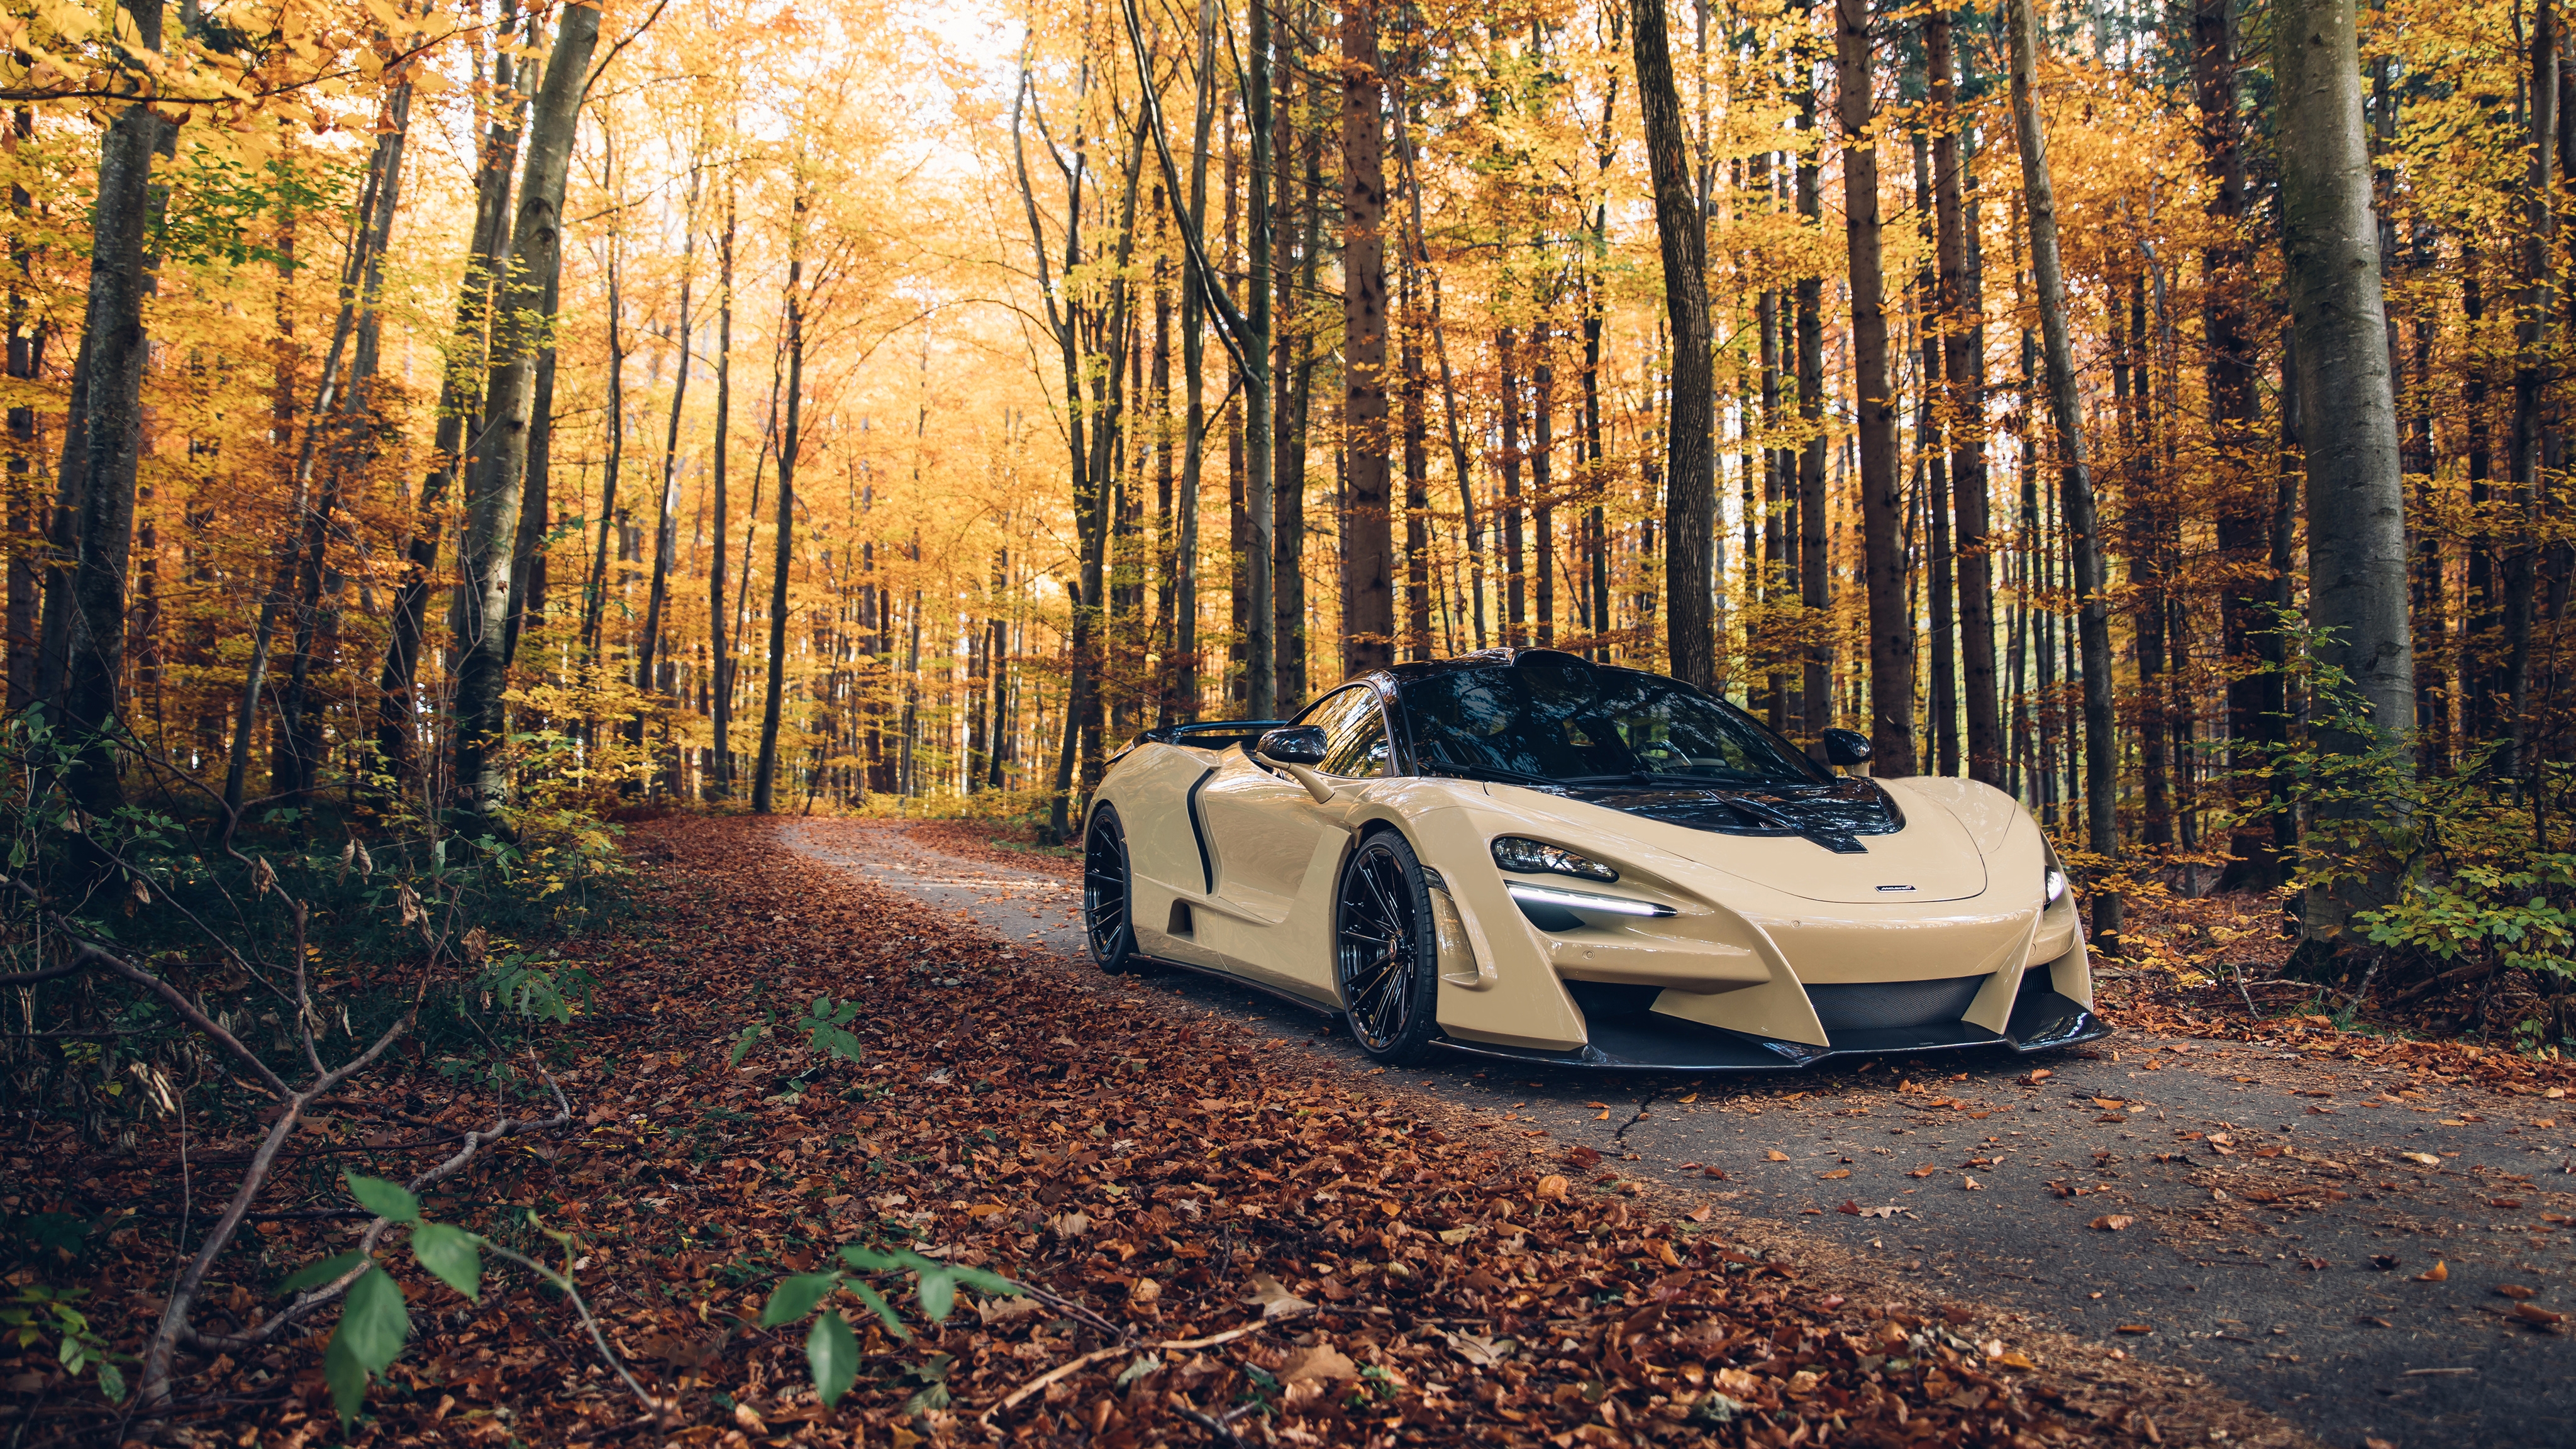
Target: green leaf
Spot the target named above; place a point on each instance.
(987, 1282)
(451, 1253)
(373, 1322)
(387, 1200)
(742, 1045)
(346, 1376)
(111, 1382)
(938, 1293)
(795, 1297)
(872, 1260)
(832, 1352)
(883, 1310)
(320, 1273)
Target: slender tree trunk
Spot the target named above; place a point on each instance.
(492, 508)
(1891, 622)
(1260, 498)
(2093, 624)
(773, 704)
(720, 656)
(1943, 748)
(663, 520)
(1814, 576)
(1514, 504)
(26, 362)
(1368, 549)
(1963, 373)
(1690, 467)
(594, 643)
(2529, 447)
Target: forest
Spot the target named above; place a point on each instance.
(848, 389)
(445, 436)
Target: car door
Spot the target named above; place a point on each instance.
(1277, 851)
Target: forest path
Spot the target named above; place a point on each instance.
(2259, 1183)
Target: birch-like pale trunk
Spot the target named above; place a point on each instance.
(396, 712)
(2355, 489)
(493, 484)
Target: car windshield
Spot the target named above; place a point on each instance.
(1561, 719)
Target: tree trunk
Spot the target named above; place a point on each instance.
(493, 489)
(2355, 493)
(720, 657)
(1690, 467)
(773, 703)
(26, 362)
(396, 710)
(1368, 548)
(1963, 373)
(100, 465)
(1942, 750)
(2093, 624)
(663, 542)
(1814, 579)
(2529, 447)
(1891, 622)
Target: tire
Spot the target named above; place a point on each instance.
(1386, 957)
(1108, 896)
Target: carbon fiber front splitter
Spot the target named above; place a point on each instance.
(1646, 1042)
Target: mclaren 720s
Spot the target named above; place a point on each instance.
(1523, 854)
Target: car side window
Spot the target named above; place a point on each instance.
(1361, 753)
(1354, 732)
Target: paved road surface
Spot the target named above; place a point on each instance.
(2282, 1209)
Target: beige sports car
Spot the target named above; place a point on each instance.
(1522, 854)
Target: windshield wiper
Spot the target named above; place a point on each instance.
(1490, 772)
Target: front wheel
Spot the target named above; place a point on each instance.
(1105, 893)
(1385, 957)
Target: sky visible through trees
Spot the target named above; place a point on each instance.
(487, 406)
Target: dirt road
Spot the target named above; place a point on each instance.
(2368, 1254)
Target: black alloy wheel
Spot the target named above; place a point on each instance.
(1105, 895)
(1386, 958)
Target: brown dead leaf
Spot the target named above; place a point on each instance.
(2113, 1222)
(2440, 1272)
(2534, 1313)
(1322, 1363)
(1552, 1187)
(1924, 1171)
(1775, 1155)
(1837, 1173)
(2515, 1291)
(1275, 1301)
(2137, 1328)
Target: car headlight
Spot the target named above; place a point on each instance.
(1537, 857)
(2055, 881)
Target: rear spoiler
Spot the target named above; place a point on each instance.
(1214, 734)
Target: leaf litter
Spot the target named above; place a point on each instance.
(1224, 1242)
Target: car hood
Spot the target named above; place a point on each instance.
(1851, 842)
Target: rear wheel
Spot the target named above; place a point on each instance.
(1105, 894)
(1385, 958)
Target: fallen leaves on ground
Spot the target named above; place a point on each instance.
(1165, 1178)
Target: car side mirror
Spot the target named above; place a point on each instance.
(1297, 749)
(1292, 745)
(1846, 747)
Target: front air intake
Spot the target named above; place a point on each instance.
(1877, 1005)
